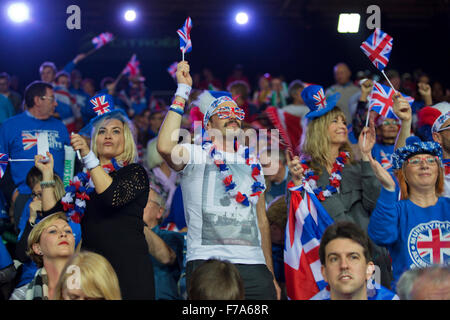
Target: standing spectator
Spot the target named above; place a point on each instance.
(48, 70)
(279, 94)
(88, 86)
(112, 219)
(67, 109)
(240, 92)
(81, 96)
(6, 109)
(422, 213)
(222, 222)
(13, 96)
(261, 97)
(344, 86)
(18, 138)
(297, 106)
(387, 133)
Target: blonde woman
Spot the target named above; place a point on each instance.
(347, 189)
(50, 245)
(110, 201)
(88, 276)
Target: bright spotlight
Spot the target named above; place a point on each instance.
(130, 15)
(242, 18)
(348, 23)
(18, 12)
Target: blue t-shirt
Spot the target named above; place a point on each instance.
(18, 139)
(87, 112)
(383, 154)
(5, 257)
(416, 237)
(6, 108)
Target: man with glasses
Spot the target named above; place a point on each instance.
(19, 137)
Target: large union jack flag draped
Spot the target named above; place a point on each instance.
(132, 68)
(307, 221)
(102, 39)
(378, 48)
(29, 140)
(381, 101)
(3, 163)
(101, 104)
(185, 36)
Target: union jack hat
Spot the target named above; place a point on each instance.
(415, 146)
(318, 104)
(103, 105)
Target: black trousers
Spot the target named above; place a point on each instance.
(258, 280)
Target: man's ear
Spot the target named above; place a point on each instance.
(36, 101)
(437, 137)
(324, 274)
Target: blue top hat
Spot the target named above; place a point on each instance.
(318, 104)
(415, 146)
(103, 105)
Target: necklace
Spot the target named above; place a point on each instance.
(78, 190)
(335, 177)
(258, 185)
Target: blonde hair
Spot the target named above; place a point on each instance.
(97, 277)
(129, 154)
(36, 232)
(317, 142)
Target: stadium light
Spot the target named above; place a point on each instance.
(348, 23)
(19, 12)
(241, 18)
(130, 15)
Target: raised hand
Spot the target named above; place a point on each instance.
(425, 92)
(79, 143)
(295, 168)
(382, 174)
(182, 73)
(402, 108)
(45, 167)
(367, 140)
(366, 89)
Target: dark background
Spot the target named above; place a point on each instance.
(297, 39)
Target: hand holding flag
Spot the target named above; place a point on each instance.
(185, 36)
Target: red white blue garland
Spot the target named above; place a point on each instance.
(335, 177)
(78, 190)
(258, 185)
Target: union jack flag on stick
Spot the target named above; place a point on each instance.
(377, 48)
(132, 67)
(307, 220)
(381, 100)
(185, 36)
(101, 40)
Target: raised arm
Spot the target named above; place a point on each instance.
(403, 111)
(169, 131)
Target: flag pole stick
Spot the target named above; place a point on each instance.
(384, 74)
(367, 124)
(90, 52)
(182, 52)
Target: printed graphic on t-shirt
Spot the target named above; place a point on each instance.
(226, 222)
(29, 139)
(429, 243)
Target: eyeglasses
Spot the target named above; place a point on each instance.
(226, 112)
(52, 98)
(418, 160)
(443, 129)
(392, 122)
(34, 195)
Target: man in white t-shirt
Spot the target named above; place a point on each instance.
(222, 186)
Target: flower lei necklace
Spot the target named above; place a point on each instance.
(78, 190)
(335, 177)
(258, 185)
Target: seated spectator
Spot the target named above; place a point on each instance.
(279, 93)
(88, 276)
(430, 283)
(346, 256)
(297, 106)
(240, 91)
(403, 226)
(50, 245)
(261, 97)
(216, 280)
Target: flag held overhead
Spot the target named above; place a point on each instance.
(185, 36)
(377, 48)
(102, 39)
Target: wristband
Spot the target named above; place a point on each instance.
(177, 110)
(183, 91)
(90, 161)
(47, 184)
(178, 103)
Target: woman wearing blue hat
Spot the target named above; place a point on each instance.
(109, 198)
(348, 189)
(416, 229)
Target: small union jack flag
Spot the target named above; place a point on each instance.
(381, 100)
(102, 39)
(29, 140)
(378, 48)
(172, 69)
(132, 67)
(320, 100)
(3, 164)
(385, 162)
(185, 36)
(101, 104)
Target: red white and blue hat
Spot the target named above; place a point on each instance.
(314, 97)
(209, 100)
(415, 146)
(103, 105)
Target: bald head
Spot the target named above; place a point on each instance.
(342, 73)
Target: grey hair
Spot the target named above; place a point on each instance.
(405, 285)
